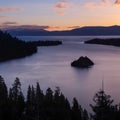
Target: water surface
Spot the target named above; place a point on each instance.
(51, 67)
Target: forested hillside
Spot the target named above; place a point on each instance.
(11, 47)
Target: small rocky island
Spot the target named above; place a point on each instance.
(82, 62)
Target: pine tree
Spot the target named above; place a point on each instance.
(49, 97)
(28, 106)
(39, 97)
(103, 108)
(30, 113)
(16, 100)
(63, 108)
(58, 104)
(3, 100)
(85, 115)
(76, 110)
(68, 109)
(48, 105)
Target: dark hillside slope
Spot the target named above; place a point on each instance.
(11, 48)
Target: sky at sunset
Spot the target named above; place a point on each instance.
(58, 14)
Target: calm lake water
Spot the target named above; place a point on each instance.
(51, 67)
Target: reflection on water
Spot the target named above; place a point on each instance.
(51, 67)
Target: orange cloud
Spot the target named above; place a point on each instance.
(103, 3)
(60, 12)
(117, 2)
(9, 9)
(61, 28)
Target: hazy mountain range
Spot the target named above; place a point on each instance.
(83, 31)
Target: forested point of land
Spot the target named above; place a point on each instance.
(51, 105)
(12, 47)
(110, 41)
(45, 43)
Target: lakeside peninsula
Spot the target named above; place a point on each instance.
(110, 41)
(14, 48)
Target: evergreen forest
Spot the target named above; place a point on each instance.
(51, 105)
(13, 48)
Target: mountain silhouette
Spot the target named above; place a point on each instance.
(83, 31)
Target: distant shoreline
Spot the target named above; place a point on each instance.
(110, 41)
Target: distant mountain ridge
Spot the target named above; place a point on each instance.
(83, 31)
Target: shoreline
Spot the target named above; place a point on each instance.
(100, 41)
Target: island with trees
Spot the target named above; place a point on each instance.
(12, 47)
(110, 41)
(82, 62)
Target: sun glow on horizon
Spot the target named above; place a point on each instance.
(61, 28)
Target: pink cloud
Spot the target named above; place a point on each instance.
(92, 5)
(61, 6)
(2, 17)
(13, 25)
(117, 2)
(33, 27)
(9, 9)
(9, 23)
